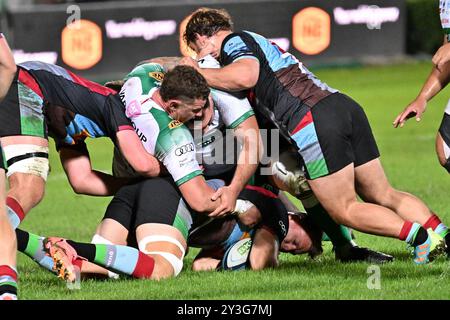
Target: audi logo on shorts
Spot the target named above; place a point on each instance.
(184, 149)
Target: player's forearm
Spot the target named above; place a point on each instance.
(237, 76)
(97, 183)
(436, 81)
(250, 154)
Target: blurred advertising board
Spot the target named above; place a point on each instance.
(106, 39)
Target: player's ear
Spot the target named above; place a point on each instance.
(173, 105)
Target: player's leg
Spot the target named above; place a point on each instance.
(345, 248)
(23, 135)
(8, 272)
(443, 140)
(373, 186)
(327, 144)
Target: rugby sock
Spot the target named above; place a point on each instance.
(338, 234)
(8, 283)
(413, 233)
(32, 245)
(440, 228)
(121, 259)
(436, 225)
(15, 212)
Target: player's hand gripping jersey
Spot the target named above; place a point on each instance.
(167, 139)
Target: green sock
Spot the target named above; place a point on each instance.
(339, 235)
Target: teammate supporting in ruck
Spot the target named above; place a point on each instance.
(330, 131)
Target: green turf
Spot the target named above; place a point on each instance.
(411, 165)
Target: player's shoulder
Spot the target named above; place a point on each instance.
(150, 75)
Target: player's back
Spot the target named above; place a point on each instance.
(94, 110)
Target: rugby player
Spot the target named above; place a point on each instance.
(436, 81)
(45, 99)
(8, 272)
(157, 114)
(329, 130)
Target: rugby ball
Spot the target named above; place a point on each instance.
(235, 258)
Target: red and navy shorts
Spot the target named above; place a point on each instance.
(333, 134)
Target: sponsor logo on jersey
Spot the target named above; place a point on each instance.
(81, 45)
(174, 124)
(158, 76)
(140, 134)
(184, 149)
(208, 141)
(311, 30)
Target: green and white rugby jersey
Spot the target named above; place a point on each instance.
(230, 110)
(167, 139)
(444, 12)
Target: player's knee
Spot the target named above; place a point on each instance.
(168, 259)
(167, 265)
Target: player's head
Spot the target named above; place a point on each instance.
(202, 28)
(185, 92)
(303, 236)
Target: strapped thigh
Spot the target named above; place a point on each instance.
(27, 158)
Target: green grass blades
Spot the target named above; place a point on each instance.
(410, 162)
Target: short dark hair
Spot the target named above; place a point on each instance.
(207, 22)
(184, 83)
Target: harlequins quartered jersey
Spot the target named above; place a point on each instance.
(74, 107)
(286, 89)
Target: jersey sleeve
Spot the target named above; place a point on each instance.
(233, 109)
(234, 48)
(175, 146)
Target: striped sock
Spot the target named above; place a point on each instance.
(15, 212)
(8, 283)
(436, 225)
(413, 233)
(116, 258)
(32, 246)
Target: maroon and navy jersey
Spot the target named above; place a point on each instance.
(74, 107)
(286, 89)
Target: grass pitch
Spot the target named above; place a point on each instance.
(408, 157)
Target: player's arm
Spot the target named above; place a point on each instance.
(83, 179)
(197, 193)
(168, 63)
(240, 75)
(248, 136)
(436, 81)
(8, 67)
(134, 152)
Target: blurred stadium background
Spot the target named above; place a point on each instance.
(113, 35)
(377, 51)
